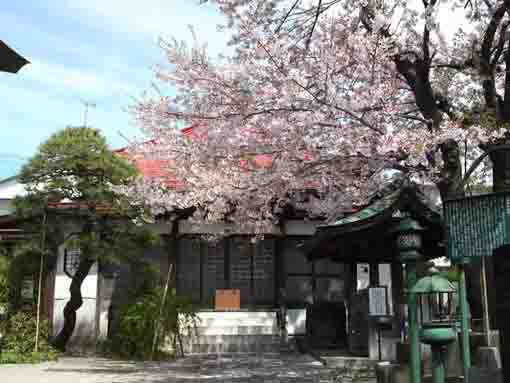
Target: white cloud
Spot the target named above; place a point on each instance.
(153, 18)
(82, 81)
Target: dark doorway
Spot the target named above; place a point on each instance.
(326, 325)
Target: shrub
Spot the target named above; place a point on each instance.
(19, 342)
(137, 322)
(4, 279)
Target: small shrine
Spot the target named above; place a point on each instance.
(401, 228)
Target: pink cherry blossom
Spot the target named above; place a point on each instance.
(318, 95)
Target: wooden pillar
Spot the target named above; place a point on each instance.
(397, 284)
(374, 274)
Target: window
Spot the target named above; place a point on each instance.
(234, 263)
(72, 255)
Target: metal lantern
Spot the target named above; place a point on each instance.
(409, 238)
(435, 295)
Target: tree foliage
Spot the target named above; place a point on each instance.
(75, 164)
(71, 197)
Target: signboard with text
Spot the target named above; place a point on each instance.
(377, 301)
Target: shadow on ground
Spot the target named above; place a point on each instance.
(229, 369)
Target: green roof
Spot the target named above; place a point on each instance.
(378, 219)
(370, 211)
(433, 284)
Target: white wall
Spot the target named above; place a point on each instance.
(84, 335)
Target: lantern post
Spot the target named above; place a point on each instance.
(409, 242)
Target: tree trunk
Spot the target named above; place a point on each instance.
(500, 170)
(500, 183)
(451, 176)
(73, 304)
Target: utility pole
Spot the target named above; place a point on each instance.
(87, 105)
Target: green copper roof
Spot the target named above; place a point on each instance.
(370, 211)
(390, 202)
(433, 284)
(377, 219)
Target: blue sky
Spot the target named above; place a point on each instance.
(93, 50)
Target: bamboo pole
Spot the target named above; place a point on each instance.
(161, 307)
(39, 288)
(466, 351)
(485, 305)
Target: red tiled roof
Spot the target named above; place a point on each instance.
(152, 168)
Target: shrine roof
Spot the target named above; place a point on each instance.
(369, 229)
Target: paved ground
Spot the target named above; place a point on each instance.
(237, 369)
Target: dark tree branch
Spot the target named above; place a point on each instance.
(478, 161)
(317, 14)
(458, 66)
(501, 44)
(286, 17)
(505, 110)
(486, 66)
(320, 101)
(415, 118)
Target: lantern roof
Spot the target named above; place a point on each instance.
(433, 284)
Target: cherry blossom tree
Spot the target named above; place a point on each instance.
(320, 95)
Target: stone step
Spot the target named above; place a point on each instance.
(233, 330)
(237, 339)
(226, 321)
(231, 348)
(237, 314)
(350, 362)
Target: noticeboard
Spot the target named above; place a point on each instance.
(477, 225)
(227, 300)
(377, 301)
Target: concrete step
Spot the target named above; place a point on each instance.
(233, 330)
(231, 344)
(237, 339)
(219, 322)
(237, 314)
(350, 362)
(231, 348)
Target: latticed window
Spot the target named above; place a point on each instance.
(234, 263)
(71, 259)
